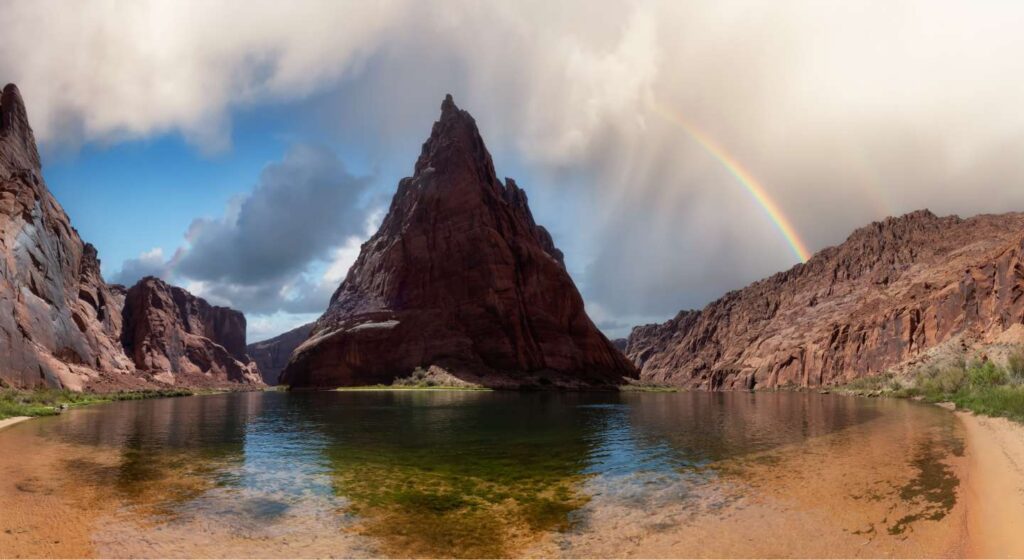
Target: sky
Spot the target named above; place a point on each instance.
(675, 150)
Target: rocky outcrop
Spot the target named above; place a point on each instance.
(182, 339)
(893, 296)
(59, 322)
(272, 355)
(61, 325)
(459, 276)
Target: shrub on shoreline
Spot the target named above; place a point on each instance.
(47, 401)
(983, 386)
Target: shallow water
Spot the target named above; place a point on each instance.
(483, 474)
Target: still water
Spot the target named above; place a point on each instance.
(485, 474)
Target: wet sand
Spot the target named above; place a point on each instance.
(891, 487)
(826, 498)
(994, 486)
(13, 420)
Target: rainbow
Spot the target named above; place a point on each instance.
(755, 188)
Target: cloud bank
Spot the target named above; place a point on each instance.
(262, 254)
(846, 112)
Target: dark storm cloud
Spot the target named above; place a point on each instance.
(301, 208)
(838, 129)
(151, 263)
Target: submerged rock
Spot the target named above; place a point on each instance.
(461, 277)
(896, 295)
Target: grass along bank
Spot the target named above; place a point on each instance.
(46, 401)
(431, 379)
(980, 386)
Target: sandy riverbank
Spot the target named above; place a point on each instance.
(995, 486)
(13, 420)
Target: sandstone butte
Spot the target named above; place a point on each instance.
(62, 326)
(897, 295)
(458, 277)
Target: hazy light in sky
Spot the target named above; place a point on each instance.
(844, 112)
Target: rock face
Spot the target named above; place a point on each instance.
(59, 322)
(272, 355)
(895, 295)
(459, 276)
(183, 339)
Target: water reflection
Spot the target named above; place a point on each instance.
(488, 474)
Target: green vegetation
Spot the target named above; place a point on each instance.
(980, 386)
(422, 502)
(423, 379)
(873, 386)
(46, 401)
(411, 388)
(645, 388)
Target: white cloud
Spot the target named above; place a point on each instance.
(844, 111)
(148, 263)
(345, 256)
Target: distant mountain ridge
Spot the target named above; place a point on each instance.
(272, 355)
(895, 293)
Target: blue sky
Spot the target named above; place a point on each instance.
(133, 197)
(203, 129)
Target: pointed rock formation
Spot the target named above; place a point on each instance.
(59, 322)
(461, 277)
(272, 355)
(895, 295)
(182, 339)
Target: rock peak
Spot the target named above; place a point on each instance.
(17, 143)
(455, 146)
(459, 277)
(448, 104)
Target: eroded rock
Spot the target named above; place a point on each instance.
(895, 294)
(459, 276)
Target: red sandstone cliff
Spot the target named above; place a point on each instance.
(458, 276)
(892, 295)
(183, 339)
(272, 355)
(60, 323)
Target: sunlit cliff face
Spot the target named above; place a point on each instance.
(839, 113)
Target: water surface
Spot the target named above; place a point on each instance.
(482, 474)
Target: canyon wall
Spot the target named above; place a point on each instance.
(61, 325)
(895, 295)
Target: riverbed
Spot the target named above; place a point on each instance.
(471, 474)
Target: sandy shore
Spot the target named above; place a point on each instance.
(13, 420)
(995, 486)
